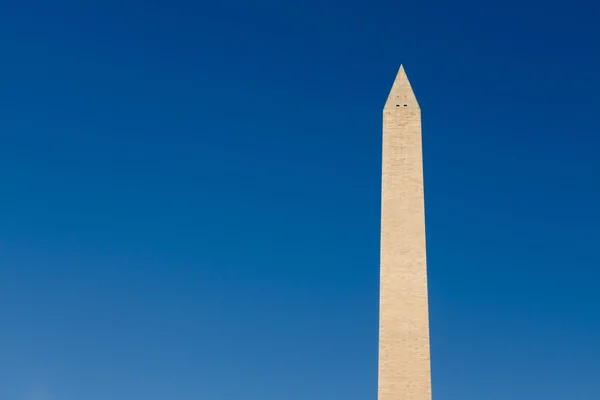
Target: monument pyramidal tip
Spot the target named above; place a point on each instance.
(404, 355)
(401, 94)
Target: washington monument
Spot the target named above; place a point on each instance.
(404, 358)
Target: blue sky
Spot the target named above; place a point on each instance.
(189, 205)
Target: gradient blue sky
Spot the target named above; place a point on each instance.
(189, 198)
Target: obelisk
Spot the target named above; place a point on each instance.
(404, 356)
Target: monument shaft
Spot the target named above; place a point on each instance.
(404, 355)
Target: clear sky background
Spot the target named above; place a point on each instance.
(189, 196)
